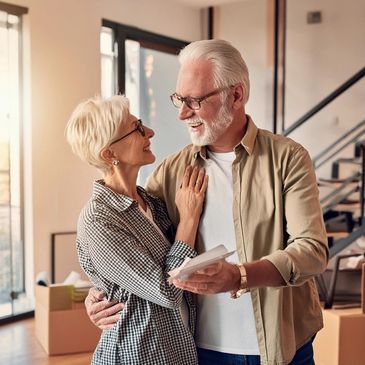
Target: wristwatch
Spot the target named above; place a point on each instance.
(243, 283)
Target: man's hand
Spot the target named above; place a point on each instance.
(102, 313)
(217, 278)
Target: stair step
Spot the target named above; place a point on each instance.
(345, 167)
(351, 208)
(337, 235)
(353, 160)
(336, 182)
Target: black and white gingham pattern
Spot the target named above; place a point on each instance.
(125, 256)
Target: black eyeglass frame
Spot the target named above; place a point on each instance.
(138, 128)
(188, 100)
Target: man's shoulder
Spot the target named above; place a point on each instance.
(186, 153)
(277, 142)
(165, 176)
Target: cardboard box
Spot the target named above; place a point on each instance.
(62, 326)
(342, 340)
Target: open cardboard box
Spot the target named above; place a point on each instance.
(342, 340)
(62, 326)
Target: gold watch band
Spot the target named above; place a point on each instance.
(243, 283)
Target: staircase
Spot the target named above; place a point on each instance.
(342, 200)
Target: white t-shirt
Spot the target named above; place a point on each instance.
(224, 324)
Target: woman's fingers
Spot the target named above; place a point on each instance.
(186, 177)
(204, 185)
(199, 180)
(193, 177)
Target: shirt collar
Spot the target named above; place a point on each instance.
(118, 201)
(249, 139)
(247, 142)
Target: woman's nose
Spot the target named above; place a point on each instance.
(149, 132)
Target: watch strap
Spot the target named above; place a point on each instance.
(243, 283)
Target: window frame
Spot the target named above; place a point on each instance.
(147, 39)
(18, 11)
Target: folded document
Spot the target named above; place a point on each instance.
(199, 262)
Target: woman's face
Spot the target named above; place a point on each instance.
(130, 147)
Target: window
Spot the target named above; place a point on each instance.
(108, 62)
(144, 66)
(11, 193)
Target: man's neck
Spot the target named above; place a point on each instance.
(231, 138)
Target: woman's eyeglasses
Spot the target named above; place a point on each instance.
(139, 128)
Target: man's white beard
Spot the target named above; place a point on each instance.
(213, 131)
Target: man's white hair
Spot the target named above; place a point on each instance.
(229, 66)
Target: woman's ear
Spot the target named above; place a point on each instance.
(107, 155)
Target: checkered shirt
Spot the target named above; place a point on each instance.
(125, 256)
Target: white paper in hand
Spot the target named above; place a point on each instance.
(199, 262)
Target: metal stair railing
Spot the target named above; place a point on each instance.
(337, 199)
(332, 96)
(317, 162)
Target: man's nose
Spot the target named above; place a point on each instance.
(185, 112)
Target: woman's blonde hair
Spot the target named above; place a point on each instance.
(92, 126)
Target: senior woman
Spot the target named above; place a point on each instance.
(125, 240)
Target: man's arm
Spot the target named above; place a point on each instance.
(223, 277)
(102, 313)
(305, 254)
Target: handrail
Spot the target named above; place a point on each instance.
(343, 185)
(335, 143)
(351, 141)
(333, 95)
(342, 243)
(338, 200)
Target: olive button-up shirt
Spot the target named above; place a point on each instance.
(277, 216)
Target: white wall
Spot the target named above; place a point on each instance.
(319, 57)
(63, 42)
(245, 25)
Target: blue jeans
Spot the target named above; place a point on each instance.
(304, 356)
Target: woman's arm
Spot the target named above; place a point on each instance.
(121, 259)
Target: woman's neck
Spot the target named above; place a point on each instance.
(126, 184)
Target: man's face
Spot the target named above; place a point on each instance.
(208, 124)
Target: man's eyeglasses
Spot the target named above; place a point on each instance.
(193, 103)
(139, 128)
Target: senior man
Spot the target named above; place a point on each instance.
(262, 201)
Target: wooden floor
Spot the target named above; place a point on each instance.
(19, 346)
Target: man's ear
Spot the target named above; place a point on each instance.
(238, 96)
(107, 155)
